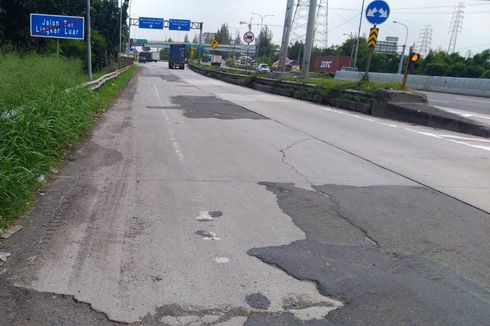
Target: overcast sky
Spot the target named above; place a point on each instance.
(343, 18)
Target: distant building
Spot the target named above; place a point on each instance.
(388, 46)
(207, 37)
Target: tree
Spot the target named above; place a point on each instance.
(186, 38)
(223, 35)
(194, 40)
(238, 39)
(14, 27)
(264, 42)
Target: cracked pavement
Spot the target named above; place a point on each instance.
(196, 202)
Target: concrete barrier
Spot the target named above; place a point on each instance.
(453, 85)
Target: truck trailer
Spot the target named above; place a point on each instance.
(176, 58)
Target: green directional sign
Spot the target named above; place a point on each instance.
(141, 42)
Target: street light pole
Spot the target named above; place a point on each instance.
(402, 57)
(129, 27)
(262, 17)
(358, 35)
(89, 43)
(120, 27)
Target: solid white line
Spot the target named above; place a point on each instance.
(472, 100)
(424, 133)
(467, 138)
(485, 148)
(444, 102)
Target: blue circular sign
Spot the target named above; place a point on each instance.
(377, 12)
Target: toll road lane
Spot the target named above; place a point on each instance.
(469, 104)
(197, 201)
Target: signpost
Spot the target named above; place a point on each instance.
(54, 26)
(179, 25)
(150, 23)
(377, 12)
(214, 44)
(59, 27)
(373, 37)
(141, 42)
(248, 37)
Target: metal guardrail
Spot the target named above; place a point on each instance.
(97, 83)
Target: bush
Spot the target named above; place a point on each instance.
(486, 74)
(38, 119)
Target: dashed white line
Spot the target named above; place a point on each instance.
(472, 100)
(467, 138)
(424, 133)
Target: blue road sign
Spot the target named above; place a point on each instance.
(54, 26)
(150, 23)
(179, 25)
(377, 12)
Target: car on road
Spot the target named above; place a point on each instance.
(263, 67)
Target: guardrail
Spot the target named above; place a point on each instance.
(97, 83)
(452, 85)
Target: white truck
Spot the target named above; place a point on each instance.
(216, 60)
(155, 56)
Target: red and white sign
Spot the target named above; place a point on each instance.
(249, 37)
(332, 63)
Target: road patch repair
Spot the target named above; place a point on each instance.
(373, 269)
(206, 107)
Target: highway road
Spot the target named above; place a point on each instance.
(473, 107)
(196, 202)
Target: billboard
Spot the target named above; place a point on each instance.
(332, 63)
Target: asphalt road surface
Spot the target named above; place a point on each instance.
(473, 107)
(196, 202)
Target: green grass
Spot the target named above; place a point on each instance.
(39, 120)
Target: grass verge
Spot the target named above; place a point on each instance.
(39, 120)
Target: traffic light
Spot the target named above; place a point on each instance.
(413, 58)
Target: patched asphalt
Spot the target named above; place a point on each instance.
(202, 107)
(351, 257)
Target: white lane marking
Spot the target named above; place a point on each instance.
(463, 113)
(467, 138)
(424, 133)
(204, 216)
(222, 260)
(472, 100)
(361, 117)
(175, 143)
(176, 146)
(485, 148)
(443, 102)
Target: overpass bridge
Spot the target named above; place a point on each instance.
(239, 48)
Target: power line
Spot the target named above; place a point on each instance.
(425, 40)
(456, 26)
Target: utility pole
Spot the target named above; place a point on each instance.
(89, 43)
(285, 35)
(358, 35)
(120, 27)
(310, 31)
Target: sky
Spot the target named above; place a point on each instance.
(343, 19)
